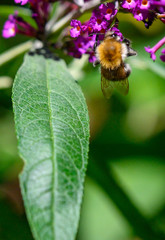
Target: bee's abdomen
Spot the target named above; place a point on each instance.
(116, 74)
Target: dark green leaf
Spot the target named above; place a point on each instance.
(52, 128)
(12, 225)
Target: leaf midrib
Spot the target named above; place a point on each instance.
(53, 149)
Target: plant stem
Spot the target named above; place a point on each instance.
(57, 15)
(64, 21)
(5, 82)
(107, 180)
(14, 52)
(75, 14)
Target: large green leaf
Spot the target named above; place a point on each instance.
(53, 132)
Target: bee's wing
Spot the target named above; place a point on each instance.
(108, 86)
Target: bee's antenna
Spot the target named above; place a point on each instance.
(96, 62)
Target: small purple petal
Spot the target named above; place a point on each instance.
(108, 10)
(23, 2)
(152, 53)
(98, 23)
(10, 28)
(163, 51)
(162, 57)
(75, 23)
(92, 57)
(129, 4)
(145, 4)
(76, 30)
(140, 14)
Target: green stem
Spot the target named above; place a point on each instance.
(107, 180)
(65, 21)
(14, 52)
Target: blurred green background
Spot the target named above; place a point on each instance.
(127, 134)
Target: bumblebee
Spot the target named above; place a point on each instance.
(111, 54)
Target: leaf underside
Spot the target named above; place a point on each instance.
(52, 128)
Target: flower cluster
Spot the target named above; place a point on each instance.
(101, 22)
(103, 19)
(85, 34)
(144, 10)
(154, 49)
(147, 11)
(40, 13)
(16, 25)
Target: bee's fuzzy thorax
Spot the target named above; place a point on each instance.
(109, 53)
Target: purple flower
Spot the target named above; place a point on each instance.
(142, 10)
(92, 57)
(102, 17)
(140, 14)
(145, 4)
(91, 41)
(77, 28)
(97, 23)
(152, 53)
(154, 49)
(10, 28)
(74, 52)
(16, 24)
(129, 4)
(101, 21)
(108, 10)
(40, 11)
(87, 27)
(162, 57)
(81, 44)
(23, 2)
(158, 3)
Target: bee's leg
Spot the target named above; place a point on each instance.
(127, 69)
(95, 45)
(96, 62)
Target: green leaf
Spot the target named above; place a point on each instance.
(5, 10)
(25, 13)
(51, 120)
